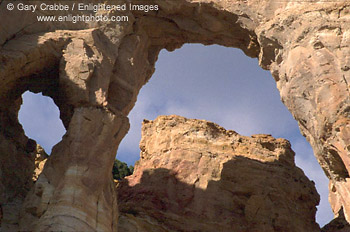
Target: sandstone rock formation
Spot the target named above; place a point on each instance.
(40, 160)
(339, 224)
(9, 212)
(94, 71)
(194, 175)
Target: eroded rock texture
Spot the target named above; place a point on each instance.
(194, 175)
(94, 71)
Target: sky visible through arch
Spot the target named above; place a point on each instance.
(204, 82)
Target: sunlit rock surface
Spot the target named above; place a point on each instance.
(194, 175)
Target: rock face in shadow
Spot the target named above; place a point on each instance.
(94, 71)
(194, 175)
(34, 155)
(338, 224)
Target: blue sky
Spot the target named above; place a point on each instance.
(204, 82)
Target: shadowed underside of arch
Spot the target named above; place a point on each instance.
(94, 71)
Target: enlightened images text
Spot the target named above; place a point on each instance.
(123, 7)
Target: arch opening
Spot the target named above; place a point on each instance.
(39, 117)
(224, 86)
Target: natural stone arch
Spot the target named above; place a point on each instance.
(100, 67)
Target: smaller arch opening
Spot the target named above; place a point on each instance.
(40, 119)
